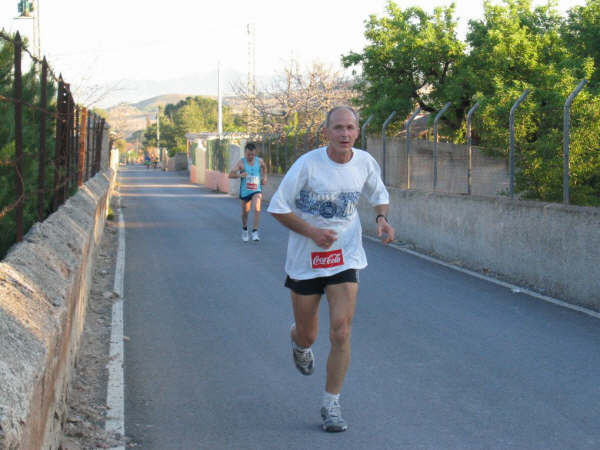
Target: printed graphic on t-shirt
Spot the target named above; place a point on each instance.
(328, 205)
(251, 183)
(322, 260)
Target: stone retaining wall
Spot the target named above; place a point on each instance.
(44, 286)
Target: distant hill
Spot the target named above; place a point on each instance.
(151, 104)
(127, 118)
(205, 84)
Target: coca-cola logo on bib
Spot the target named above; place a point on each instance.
(322, 260)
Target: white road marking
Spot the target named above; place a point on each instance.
(115, 395)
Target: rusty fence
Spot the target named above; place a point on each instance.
(49, 145)
(416, 163)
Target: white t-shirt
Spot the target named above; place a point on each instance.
(325, 194)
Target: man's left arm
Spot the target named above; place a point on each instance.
(384, 230)
(263, 171)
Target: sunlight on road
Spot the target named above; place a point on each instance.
(125, 194)
(136, 186)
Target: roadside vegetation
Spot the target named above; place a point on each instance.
(415, 59)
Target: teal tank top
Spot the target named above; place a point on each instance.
(251, 183)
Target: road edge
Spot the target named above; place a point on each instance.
(115, 392)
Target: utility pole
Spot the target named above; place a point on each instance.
(220, 100)
(30, 9)
(37, 48)
(251, 77)
(158, 133)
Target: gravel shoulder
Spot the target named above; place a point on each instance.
(86, 403)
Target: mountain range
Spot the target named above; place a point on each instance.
(205, 84)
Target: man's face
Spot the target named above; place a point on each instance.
(342, 130)
(250, 153)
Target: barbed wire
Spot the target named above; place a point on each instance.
(6, 37)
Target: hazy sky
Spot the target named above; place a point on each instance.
(158, 39)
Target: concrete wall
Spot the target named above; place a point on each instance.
(177, 162)
(44, 285)
(235, 154)
(197, 171)
(552, 248)
(218, 181)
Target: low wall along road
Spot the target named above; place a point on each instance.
(44, 286)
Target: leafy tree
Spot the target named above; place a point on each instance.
(194, 114)
(512, 48)
(410, 58)
(582, 34)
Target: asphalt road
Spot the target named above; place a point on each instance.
(441, 360)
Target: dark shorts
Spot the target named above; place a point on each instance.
(248, 197)
(317, 285)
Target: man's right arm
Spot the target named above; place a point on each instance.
(235, 172)
(323, 237)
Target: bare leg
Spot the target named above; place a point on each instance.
(306, 316)
(245, 211)
(342, 303)
(256, 200)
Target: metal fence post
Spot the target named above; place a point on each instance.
(88, 146)
(20, 182)
(58, 148)
(511, 151)
(566, 139)
(435, 142)
(363, 129)
(68, 143)
(99, 149)
(42, 155)
(82, 142)
(286, 154)
(295, 145)
(306, 138)
(383, 142)
(469, 149)
(407, 127)
(319, 134)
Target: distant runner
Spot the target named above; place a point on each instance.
(317, 200)
(251, 171)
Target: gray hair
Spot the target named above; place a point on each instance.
(347, 108)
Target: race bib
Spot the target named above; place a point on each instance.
(251, 183)
(323, 260)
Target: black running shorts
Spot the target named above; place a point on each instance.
(317, 285)
(248, 197)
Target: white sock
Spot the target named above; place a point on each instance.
(328, 398)
(297, 347)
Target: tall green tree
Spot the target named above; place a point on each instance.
(414, 59)
(194, 114)
(516, 47)
(582, 34)
(410, 57)
(31, 132)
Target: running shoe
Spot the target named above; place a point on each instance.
(255, 236)
(333, 421)
(245, 235)
(304, 359)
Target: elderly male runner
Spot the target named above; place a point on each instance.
(317, 200)
(252, 172)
